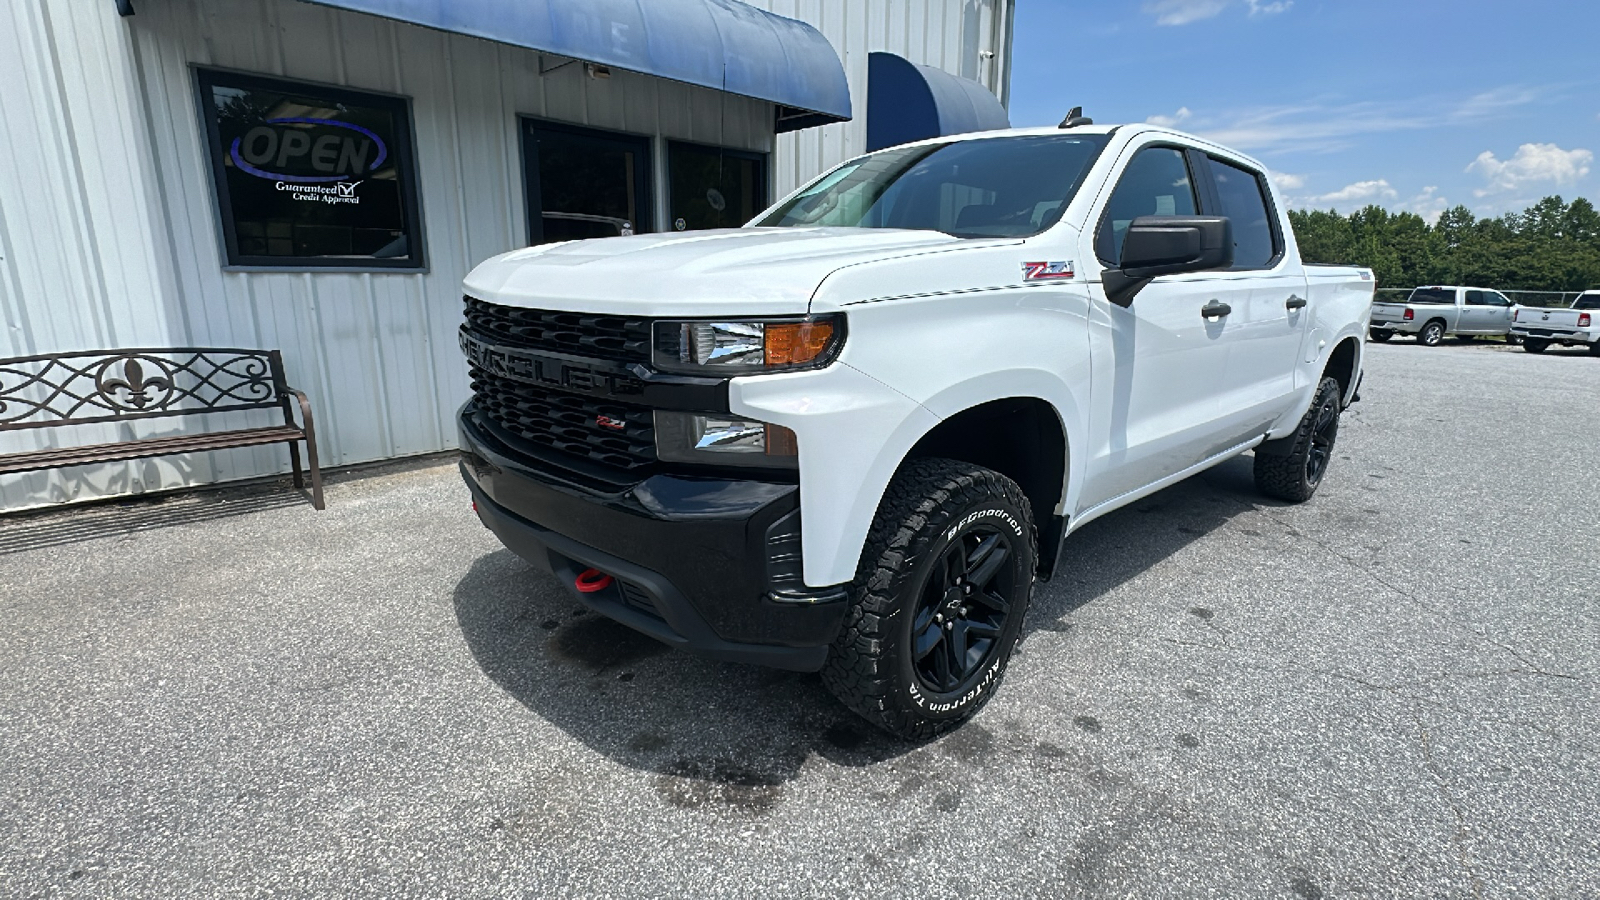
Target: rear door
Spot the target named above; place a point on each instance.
(1267, 291)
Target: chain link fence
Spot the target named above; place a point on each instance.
(1525, 298)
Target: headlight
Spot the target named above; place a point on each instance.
(704, 346)
(724, 440)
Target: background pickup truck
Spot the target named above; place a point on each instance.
(1578, 325)
(851, 435)
(1430, 313)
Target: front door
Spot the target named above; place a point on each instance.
(1485, 312)
(1158, 362)
(583, 183)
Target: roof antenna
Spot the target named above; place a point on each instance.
(1075, 117)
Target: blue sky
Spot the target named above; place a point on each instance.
(1411, 104)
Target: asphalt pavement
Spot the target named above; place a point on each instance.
(1388, 691)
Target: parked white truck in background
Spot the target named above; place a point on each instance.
(1431, 313)
(850, 435)
(1577, 325)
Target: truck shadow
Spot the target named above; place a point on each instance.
(734, 735)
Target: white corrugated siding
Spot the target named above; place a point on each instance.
(109, 232)
(952, 35)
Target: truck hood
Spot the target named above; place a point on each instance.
(749, 271)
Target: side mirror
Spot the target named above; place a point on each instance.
(1168, 245)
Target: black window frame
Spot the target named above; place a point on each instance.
(1274, 225)
(532, 190)
(209, 77)
(1201, 200)
(763, 161)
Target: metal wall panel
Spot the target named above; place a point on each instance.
(969, 38)
(109, 231)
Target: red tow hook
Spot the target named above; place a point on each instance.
(591, 581)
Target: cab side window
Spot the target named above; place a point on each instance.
(1477, 298)
(1244, 202)
(1155, 183)
(1495, 298)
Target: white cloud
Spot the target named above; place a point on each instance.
(1427, 204)
(1173, 120)
(1182, 12)
(1532, 164)
(1323, 127)
(1360, 192)
(1261, 8)
(1287, 182)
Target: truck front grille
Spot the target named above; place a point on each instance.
(611, 338)
(598, 430)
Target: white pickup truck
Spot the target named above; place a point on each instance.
(1430, 313)
(851, 435)
(1576, 326)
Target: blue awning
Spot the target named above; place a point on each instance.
(909, 102)
(721, 44)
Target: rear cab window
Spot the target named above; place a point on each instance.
(1587, 301)
(1445, 296)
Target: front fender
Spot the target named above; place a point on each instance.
(853, 431)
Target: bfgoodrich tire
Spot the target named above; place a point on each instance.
(940, 595)
(1291, 468)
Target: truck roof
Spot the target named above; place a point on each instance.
(1137, 128)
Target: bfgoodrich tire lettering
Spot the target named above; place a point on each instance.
(1291, 468)
(940, 595)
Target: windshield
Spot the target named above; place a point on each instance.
(1587, 301)
(985, 187)
(1447, 296)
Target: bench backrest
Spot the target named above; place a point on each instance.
(119, 385)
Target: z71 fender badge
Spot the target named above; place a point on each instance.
(1046, 271)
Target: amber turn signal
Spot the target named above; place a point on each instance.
(792, 343)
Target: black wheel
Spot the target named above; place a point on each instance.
(1594, 349)
(1379, 335)
(1431, 334)
(1291, 468)
(939, 599)
(1513, 340)
(1534, 345)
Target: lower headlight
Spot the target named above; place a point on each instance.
(724, 440)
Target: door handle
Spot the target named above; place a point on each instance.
(1295, 302)
(1215, 310)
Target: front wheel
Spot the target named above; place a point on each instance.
(1431, 334)
(1292, 467)
(1534, 345)
(937, 607)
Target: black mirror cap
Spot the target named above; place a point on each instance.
(1169, 245)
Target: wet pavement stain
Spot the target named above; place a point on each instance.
(690, 783)
(603, 644)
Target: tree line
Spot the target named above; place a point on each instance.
(1550, 246)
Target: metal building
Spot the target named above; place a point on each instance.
(170, 175)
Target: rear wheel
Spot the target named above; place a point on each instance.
(1534, 345)
(1381, 336)
(1594, 349)
(944, 583)
(1292, 468)
(1431, 334)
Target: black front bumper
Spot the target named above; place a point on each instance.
(710, 565)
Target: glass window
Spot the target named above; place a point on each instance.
(710, 187)
(983, 187)
(1476, 298)
(1587, 301)
(1244, 202)
(1155, 183)
(1444, 296)
(583, 183)
(1495, 298)
(310, 176)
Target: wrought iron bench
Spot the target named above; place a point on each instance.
(62, 389)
